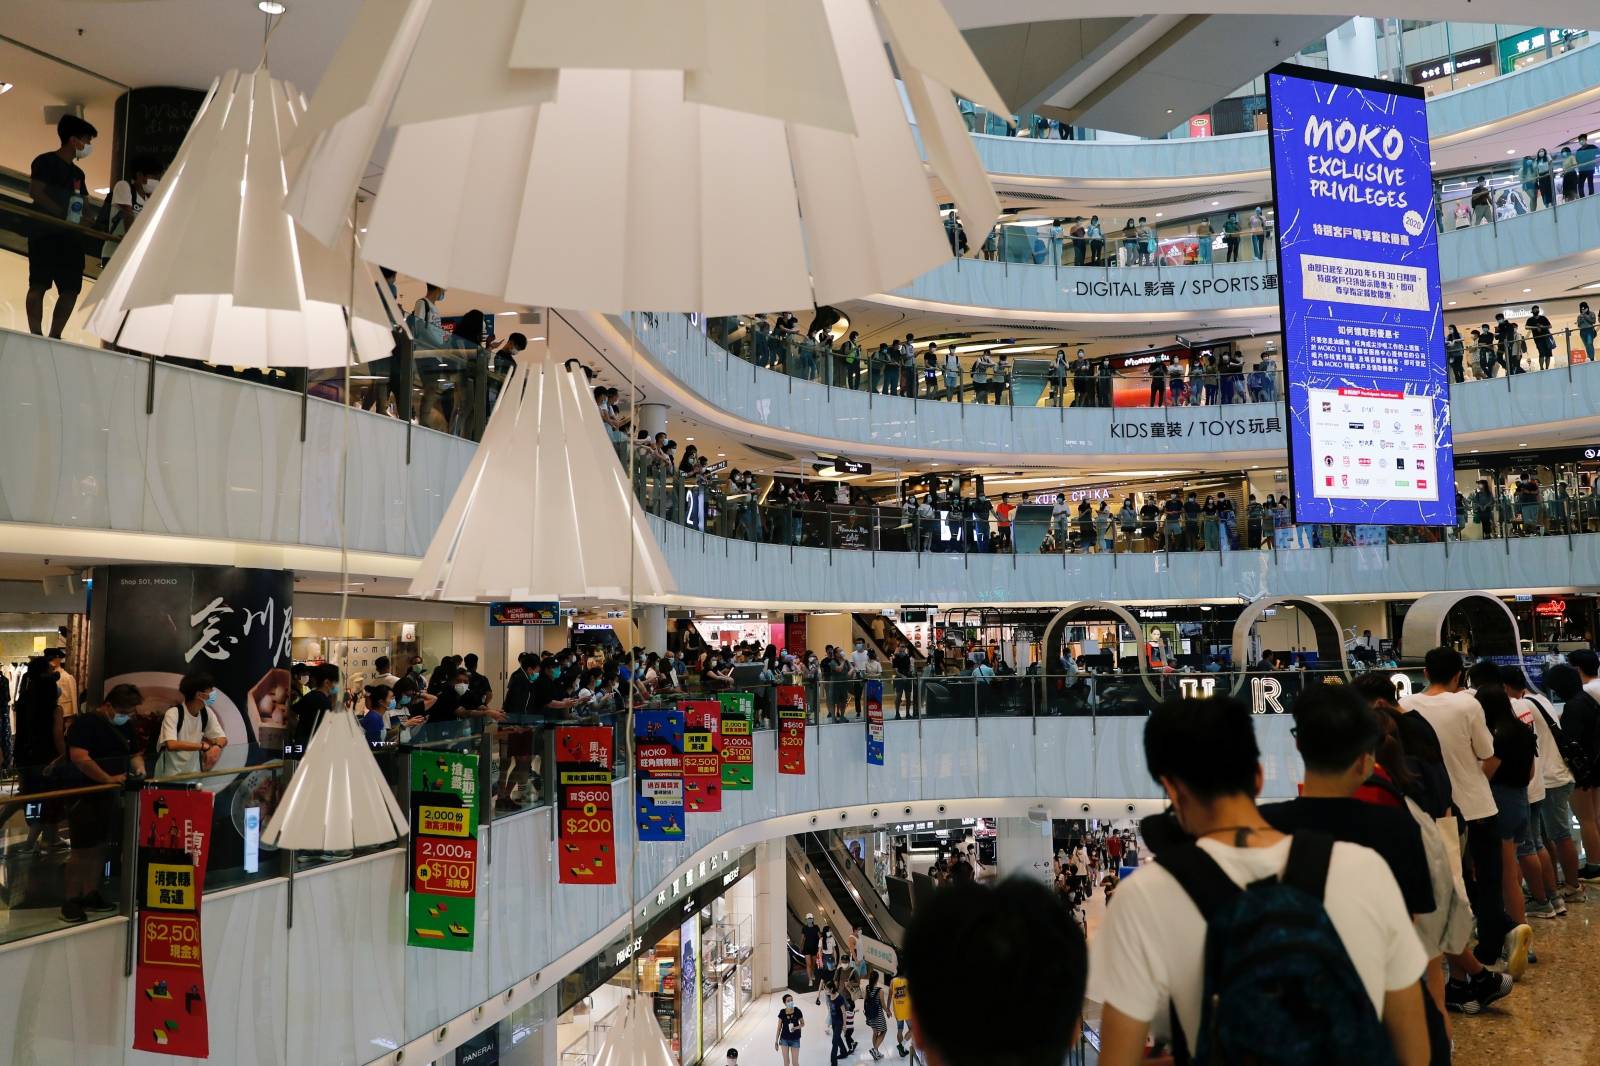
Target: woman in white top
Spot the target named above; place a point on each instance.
(952, 374)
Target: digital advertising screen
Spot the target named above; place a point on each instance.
(1368, 389)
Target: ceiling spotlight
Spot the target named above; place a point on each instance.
(272, 7)
(5, 87)
(102, 192)
(1452, 303)
(1158, 214)
(1511, 151)
(1169, 110)
(1214, 203)
(1527, 290)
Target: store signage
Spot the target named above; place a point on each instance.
(1551, 609)
(658, 769)
(1200, 126)
(537, 613)
(1264, 693)
(594, 627)
(1419, 73)
(791, 729)
(878, 955)
(842, 465)
(1224, 285)
(873, 693)
(585, 836)
(715, 468)
(169, 1000)
(1368, 387)
(738, 741)
(1150, 612)
(1146, 427)
(481, 1050)
(702, 755)
(442, 911)
(733, 616)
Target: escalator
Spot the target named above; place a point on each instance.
(849, 903)
(880, 632)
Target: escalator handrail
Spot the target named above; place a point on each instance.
(878, 911)
(869, 921)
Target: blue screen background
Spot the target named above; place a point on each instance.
(1317, 225)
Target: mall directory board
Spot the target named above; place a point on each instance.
(1363, 330)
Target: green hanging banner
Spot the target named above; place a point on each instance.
(738, 741)
(444, 851)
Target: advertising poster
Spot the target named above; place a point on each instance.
(658, 754)
(874, 702)
(689, 979)
(1368, 388)
(738, 741)
(586, 838)
(169, 1002)
(154, 624)
(791, 729)
(442, 910)
(525, 613)
(702, 755)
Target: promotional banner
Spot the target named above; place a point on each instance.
(874, 701)
(1368, 387)
(791, 729)
(658, 769)
(738, 741)
(702, 755)
(525, 613)
(169, 1002)
(586, 839)
(154, 624)
(442, 911)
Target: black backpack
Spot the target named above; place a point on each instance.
(1280, 989)
(1577, 757)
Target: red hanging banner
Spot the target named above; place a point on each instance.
(702, 755)
(791, 729)
(169, 1002)
(587, 841)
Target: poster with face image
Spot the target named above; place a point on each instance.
(658, 769)
(702, 755)
(1368, 386)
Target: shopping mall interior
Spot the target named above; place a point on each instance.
(1017, 499)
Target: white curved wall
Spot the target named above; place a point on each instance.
(714, 568)
(339, 987)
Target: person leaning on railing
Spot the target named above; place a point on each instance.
(98, 753)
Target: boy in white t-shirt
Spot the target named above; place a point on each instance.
(1148, 957)
(191, 736)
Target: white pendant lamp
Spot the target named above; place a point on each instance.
(636, 1038)
(216, 269)
(543, 511)
(639, 154)
(337, 799)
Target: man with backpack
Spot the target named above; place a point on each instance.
(1575, 686)
(1241, 943)
(191, 736)
(1555, 816)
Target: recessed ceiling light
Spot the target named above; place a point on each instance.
(1511, 151)
(5, 87)
(1158, 214)
(1523, 445)
(689, 439)
(1214, 203)
(272, 7)
(1474, 451)
(102, 192)
(1452, 303)
(1169, 110)
(1527, 290)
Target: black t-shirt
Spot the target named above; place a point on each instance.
(1389, 831)
(1149, 512)
(444, 708)
(1515, 745)
(1191, 510)
(103, 741)
(308, 711)
(789, 1022)
(810, 939)
(64, 183)
(902, 663)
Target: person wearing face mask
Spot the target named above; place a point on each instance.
(787, 1041)
(55, 253)
(99, 755)
(427, 326)
(127, 199)
(519, 702)
(39, 744)
(192, 737)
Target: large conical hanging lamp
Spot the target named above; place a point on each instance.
(337, 799)
(636, 1038)
(618, 167)
(216, 269)
(543, 510)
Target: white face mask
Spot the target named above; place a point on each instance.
(148, 187)
(83, 153)
(461, 688)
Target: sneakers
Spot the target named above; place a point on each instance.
(95, 903)
(1470, 997)
(1541, 909)
(1575, 894)
(72, 912)
(1559, 904)
(1514, 957)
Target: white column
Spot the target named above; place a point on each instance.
(652, 418)
(772, 918)
(1353, 47)
(652, 622)
(1022, 848)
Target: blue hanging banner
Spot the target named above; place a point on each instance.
(658, 770)
(874, 700)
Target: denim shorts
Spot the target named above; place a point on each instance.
(1512, 800)
(790, 1041)
(1556, 813)
(1531, 839)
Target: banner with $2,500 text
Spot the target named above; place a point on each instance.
(169, 1001)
